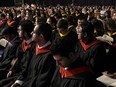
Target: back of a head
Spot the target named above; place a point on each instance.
(46, 30)
(98, 26)
(88, 28)
(9, 31)
(110, 24)
(62, 23)
(62, 46)
(27, 26)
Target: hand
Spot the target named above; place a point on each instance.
(15, 85)
(111, 75)
(9, 74)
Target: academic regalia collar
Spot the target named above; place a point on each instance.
(28, 41)
(75, 71)
(70, 26)
(86, 46)
(2, 21)
(9, 22)
(43, 49)
(26, 45)
(62, 35)
(114, 33)
(45, 45)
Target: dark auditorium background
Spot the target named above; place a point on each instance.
(54, 2)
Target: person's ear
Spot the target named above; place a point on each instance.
(41, 36)
(84, 34)
(25, 34)
(71, 55)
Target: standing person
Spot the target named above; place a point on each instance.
(91, 51)
(40, 70)
(71, 71)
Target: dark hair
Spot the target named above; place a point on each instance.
(110, 25)
(98, 25)
(9, 31)
(53, 20)
(27, 26)
(62, 23)
(62, 46)
(88, 28)
(3, 15)
(10, 14)
(46, 30)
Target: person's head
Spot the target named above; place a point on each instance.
(108, 14)
(114, 16)
(71, 20)
(86, 30)
(62, 26)
(9, 33)
(9, 15)
(98, 27)
(110, 25)
(63, 51)
(25, 28)
(52, 21)
(2, 16)
(42, 33)
(57, 16)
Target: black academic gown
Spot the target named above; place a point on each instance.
(93, 54)
(8, 55)
(71, 35)
(39, 71)
(111, 56)
(24, 53)
(77, 75)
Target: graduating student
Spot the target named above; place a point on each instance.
(10, 34)
(71, 71)
(111, 31)
(23, 54)
(40, 70)
(63, 31)
(10, 20)
(3, 21)
(91, 51)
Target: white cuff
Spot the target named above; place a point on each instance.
(19, 82)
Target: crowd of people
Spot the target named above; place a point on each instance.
(61, 46)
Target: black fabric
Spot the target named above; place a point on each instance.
(39, 71)
(85, 79)
(94, 57)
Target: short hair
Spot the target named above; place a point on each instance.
(2, 15)
(62, 47)
(10, 14)
(62, 23)
(9, 31)
(46, 30)
(27, 26)
(53, 20)
(88, 28)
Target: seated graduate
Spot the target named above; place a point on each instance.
(40, 69)
(62, 30)
(71, 71)
(10, 34)
(23, 54)
(91, 50)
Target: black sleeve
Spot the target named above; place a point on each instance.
(44, 78)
